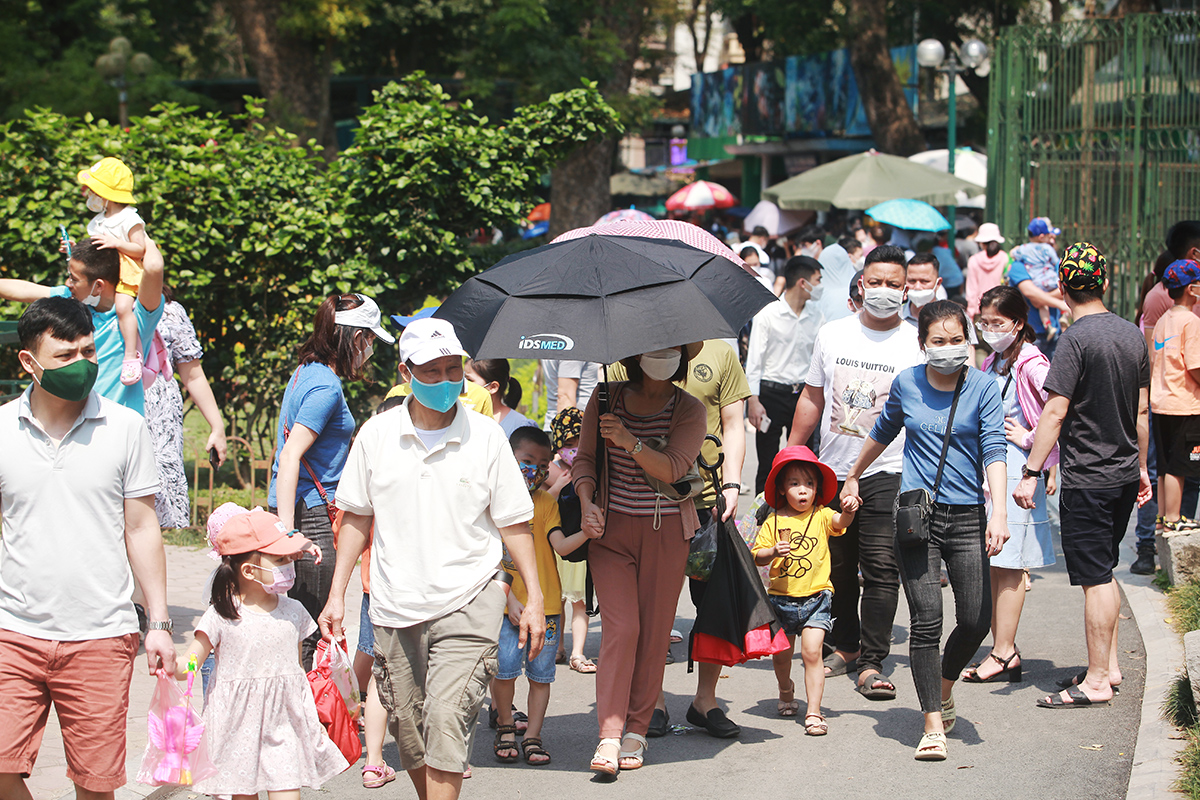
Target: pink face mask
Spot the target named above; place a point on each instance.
(567, 455)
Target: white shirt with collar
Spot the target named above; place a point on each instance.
(438, 511)
(781, 343)
(64, 571)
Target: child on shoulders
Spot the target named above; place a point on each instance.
(794, 540)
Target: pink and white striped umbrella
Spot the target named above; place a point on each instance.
(624, 214)
(676, 229)
(700, 196)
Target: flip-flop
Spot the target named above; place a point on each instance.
(869, 690)
(1078, 700)
(838, 665)
(1075, 680)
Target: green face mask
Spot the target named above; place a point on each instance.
(71, 382)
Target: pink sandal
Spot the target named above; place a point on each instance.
(131, 370)
(385, 775)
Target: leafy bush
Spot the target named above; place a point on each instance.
(257, 229)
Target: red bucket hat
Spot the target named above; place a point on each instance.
(788, 455)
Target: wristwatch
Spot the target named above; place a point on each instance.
(160, 626)
(725, 486)
(637, 448)
(1026, 472)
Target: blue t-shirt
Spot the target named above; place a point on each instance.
(110, 350)
(513, 421)
(948, 269)
(921, 410)
(1018, 272)
(314, 399)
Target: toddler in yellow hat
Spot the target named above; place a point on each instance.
(107, 189)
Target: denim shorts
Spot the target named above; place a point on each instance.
(797, 613)
(540, 669)
(366, 631)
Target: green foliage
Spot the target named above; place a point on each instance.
(256, 229)
(1188, 783)
(1179, 706)
(1184, 602)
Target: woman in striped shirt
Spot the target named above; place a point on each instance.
(641, 539)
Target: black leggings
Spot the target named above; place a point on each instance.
(314, 581)
(956, 537)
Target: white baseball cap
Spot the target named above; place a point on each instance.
(365, 315)
(426, 339)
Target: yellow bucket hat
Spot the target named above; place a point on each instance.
(109, 178)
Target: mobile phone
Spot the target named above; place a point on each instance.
(66, 240)
(212, 458)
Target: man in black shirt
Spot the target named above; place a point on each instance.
(1097, 411)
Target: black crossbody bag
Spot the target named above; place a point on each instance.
(913, 510)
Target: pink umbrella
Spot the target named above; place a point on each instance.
(682, 231)
(701, 196)
(623, 214)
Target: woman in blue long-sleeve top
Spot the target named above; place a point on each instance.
(960, 533)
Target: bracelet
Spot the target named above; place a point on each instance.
(725, 486)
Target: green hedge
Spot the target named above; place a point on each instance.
(257, 229)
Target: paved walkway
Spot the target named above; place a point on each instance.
(1003, 746)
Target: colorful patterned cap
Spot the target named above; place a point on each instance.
(1183, 272)
(566, 425)
(1083, 267)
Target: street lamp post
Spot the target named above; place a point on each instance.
(931, 53)
(114, 66)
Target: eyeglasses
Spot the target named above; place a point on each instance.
(996, 327)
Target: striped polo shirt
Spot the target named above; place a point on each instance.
(628, 492)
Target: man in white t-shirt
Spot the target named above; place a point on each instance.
(853, 363)
(569, 384)
(77, 486)
(443, 491)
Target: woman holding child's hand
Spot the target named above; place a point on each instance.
(640, 540)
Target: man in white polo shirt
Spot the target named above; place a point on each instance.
(443, 490)
(77, 486)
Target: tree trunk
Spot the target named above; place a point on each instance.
(749, 36)
(293, 73)
(579, 186)
(892, 121)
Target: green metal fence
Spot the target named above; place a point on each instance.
(1096, 124)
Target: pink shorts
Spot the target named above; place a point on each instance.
(88, 683)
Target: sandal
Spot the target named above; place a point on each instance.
(560, 658)
(520, 720)
(870, 689)
(1077, 700)
(949, 715)
(835, 664)
(604, 764)
(532, 746)
(1009, 673)
(383, 775)
(583, 664)
(637, 756)
(499, 744)
(788, 705)
(1075, 680)
(131, 370)
(818, 728)
(932, 747)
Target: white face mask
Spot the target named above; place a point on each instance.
(96, 203)
(92, 300)
(882, 302)
(998, 340)
(815, 292)
(660, 365)
(365, 354)
(949, 359)
(920, 297)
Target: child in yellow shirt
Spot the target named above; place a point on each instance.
(531, 446)
(107, 190)
(794, 540)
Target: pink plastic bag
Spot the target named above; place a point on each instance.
(176, 752)
(341, 671)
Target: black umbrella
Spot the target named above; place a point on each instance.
(602, 298)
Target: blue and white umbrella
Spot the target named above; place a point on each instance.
(912, 215)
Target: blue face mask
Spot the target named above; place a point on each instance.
(437, 397)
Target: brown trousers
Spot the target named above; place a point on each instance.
(637, 572)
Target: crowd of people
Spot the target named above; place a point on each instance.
(913, 422)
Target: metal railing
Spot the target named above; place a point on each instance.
(1096, 124)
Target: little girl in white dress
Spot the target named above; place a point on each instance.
(261, 722)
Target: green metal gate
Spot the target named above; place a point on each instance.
(1096, 124)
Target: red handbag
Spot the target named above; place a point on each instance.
(331, 710)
